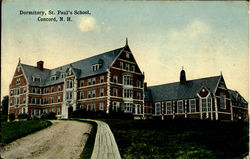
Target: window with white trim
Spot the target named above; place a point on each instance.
(52, 99)
(69, 95)
(16, 100)
(127, 93)
(81, 83)
(93, 80)
(101, 79)
(33, 90)
(127, 80)
(101, 106)
(127, 66)
(179, 106)
(88, 107)
(115, 79)
(81, 95)
(58, 99)
(24, 90)
(89, 81)
(115, 106)
(69, 84)
(115, 92)
(137, 109)
(89, 94)
(58, 111)
(203, 104)
(93, 107)
(52, 89)
(209, 104)
(18, 81)
(101, 92)
(93, 94)
(16, 91)
(168, 108)
(192, 106)
(138, 83)
(128, 107)
(133, 68)
(157, 109)
(138, 95)
(222, 101)
(121, 65)
(59, 88)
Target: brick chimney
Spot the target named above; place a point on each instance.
(40, 65)
(145, 86)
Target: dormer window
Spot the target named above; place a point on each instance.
(127, 66)
(96, 67)
(63, 75)
(18, 69)
(53, 78)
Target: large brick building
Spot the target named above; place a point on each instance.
(205, 98)
(113, 81)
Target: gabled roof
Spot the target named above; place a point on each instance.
(234, 95)
(175, 91)
(82, 68)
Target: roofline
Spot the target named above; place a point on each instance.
(178, 82)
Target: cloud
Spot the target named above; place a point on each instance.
(87, 24)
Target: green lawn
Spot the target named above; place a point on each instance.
(180, 138)
(11, 131)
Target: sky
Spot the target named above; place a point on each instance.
(206, 38)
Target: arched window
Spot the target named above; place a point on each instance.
(222, 101)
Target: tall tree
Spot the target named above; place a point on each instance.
(5, 102)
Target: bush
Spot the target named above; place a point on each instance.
(12, 116)
(4, 117)
(23, 116)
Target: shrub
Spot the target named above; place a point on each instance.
(51, 115)
(12, 116)
(4, 117)
(23, 116)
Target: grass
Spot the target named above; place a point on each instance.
(11, 131)
(180, 138)
(89, 146)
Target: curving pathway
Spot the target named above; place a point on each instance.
(105, 145)
(62, 140)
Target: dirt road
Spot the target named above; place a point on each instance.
(64, 140)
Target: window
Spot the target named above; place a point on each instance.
(24, 90)
(18, 69)
(89, 94)
(18, 81)
(133, 68)
(89, 81)
(81, 83)
(96, 67)
(36, 79)
(204, 105)
(168, 108)
(53, 110)
(63, 75)
(115, 79)
(16, 100)
(93, 107)
(115, 91)
(69, 84)
(38, 90)
(179, 107)
(121, 65)
(38, 101)
(81, 95)
(33, 90)
(16, 91)
(52, 89)
(127, 93)
(157, 109)
(94, 80)
(138, 84)
(222, 101)
(58, 111)
(192, 108)
(115, 106)
(53, 78)
(101, 106)
(11, 102)
(209, 102)
(127, 80)
(46, 90)
(52, 99)
(11, 93)
(127, 66)
(138, 95)
(137, 109)
(58, 99)
(127, 55)
(128, 108)
(68, 95)
(101, 92)
(88, 107)
(33, 100)
(93, 93)
(101, 79)
(59, 88)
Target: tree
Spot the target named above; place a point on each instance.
(5, 102)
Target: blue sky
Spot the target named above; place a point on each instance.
(207, 38)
